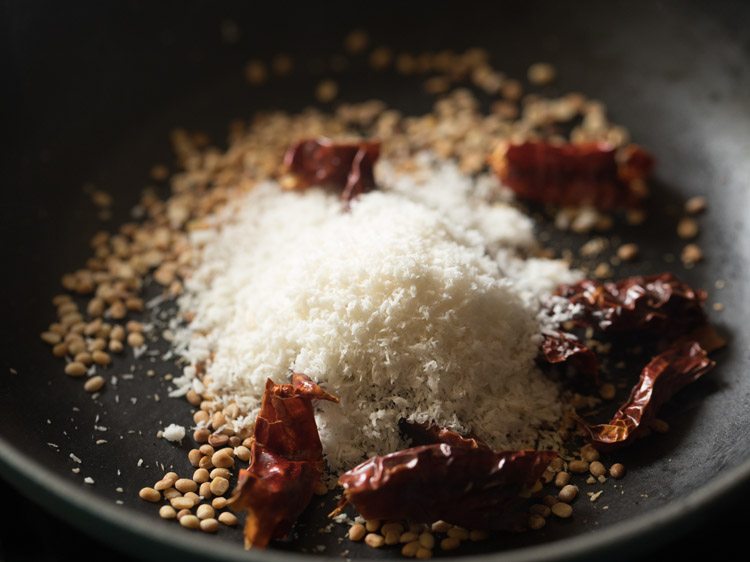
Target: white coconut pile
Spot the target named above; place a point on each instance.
(417, 304)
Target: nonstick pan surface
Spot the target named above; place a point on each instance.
(95, 89)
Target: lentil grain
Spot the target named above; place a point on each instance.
(227, 518)
(357, 532)
(149, 495)
(94, 384)
(562, 510)
(190, 522)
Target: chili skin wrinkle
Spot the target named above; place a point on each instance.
(464, 483)
(593, 174)
(660, 379)
(659, 305)
(286, 461)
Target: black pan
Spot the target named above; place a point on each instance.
(94, 90)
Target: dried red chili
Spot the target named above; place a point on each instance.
(430, 434)
(594, 173)
(661, 305)
(472, 487)
(286, 460)
(347, 166)
(664, 375)
(564, 348)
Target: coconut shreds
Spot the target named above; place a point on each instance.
(173, 432)
(417, 304)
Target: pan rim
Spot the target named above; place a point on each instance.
(93, 513)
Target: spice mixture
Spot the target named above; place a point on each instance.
(388, 259)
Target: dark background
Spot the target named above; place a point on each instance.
(68, 108)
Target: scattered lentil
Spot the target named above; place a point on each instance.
(427, 540)
(617, 471)
(219, 503)
(201, 475)
(450, 543)
(185, 485)
(205, 511)
(578, 466)
(458, 533)
(392, 537)
(227, 518)
(562, 510)
(687, 228)
(135, 339)
(540, 509)
(209, 525)
(149, 495)
(567, 494)
(242, 453)
(190, 522)
(222, 459)
(357, 532)
(326, 91)
(219, 486)
(220, 473)
(607, 391)
(409, 550)
(628, 252)
(536, 522)
(356, 41)
(181, 502)
(194, 456)
(541, 73)
(408, 537)
(373, 540)
(94, 384)
(75, 369)
(589, 453)
(691, 254)
(696, 205)
(562, 479)
(256, 72)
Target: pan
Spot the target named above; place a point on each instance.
(95, 89)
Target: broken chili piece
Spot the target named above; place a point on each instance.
(345, 166)
(286, 461)
(664, 375)
(595, 173)
(430, 434)
(562, 348)
(660, 305)
(472, 487)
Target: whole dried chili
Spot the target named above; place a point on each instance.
(664, 375)
(286, 460)
(595, 173)
(472, 487)
(346, 166)
(565, 348)
(659, 305)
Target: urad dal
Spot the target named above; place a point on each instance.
(418, 303)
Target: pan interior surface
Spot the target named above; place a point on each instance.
(96, 90)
